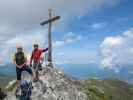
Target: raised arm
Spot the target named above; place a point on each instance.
(44, 50)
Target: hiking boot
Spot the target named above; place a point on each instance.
(35, 80)
(17, 92)
(31, 86)
(40, 67)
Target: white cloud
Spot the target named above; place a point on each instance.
(21, 17)
(67, 39)
(76, 57)
(117, 51)
(1, 61)
(9, 46)
(98, 25)
(27, 40)
(112, 41)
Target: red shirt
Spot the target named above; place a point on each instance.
(36, 55)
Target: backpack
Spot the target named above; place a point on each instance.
(2, 95)
(20, 58)
(25, 90)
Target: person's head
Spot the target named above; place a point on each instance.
(19, 48)
(35, 46)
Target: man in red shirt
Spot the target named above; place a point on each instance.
(35, 57)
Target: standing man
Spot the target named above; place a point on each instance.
(35, 57)
(20, 61)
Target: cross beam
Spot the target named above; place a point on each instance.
(49, 21)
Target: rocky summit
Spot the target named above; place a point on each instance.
(55, 85)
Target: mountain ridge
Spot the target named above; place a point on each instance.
(55, 85)
(107, 89)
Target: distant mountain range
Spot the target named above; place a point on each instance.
(82, 71)
(8, 70)
(87, 71)
(4, 80)
(109, 89)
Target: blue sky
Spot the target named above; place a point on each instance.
(96, 26)
(86, 33)
(109, 21)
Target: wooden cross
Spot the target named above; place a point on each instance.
(49, 21)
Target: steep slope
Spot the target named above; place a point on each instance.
(54, 85)
(109, 89)
(4, 80)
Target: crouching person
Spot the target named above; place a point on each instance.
(25, 90)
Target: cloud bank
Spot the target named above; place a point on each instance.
(67, 39)
(20, 19)
(117, 51)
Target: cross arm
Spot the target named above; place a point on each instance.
(50, 20)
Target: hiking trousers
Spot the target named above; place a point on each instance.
(24, 68)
